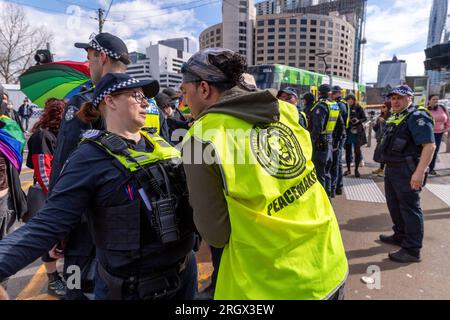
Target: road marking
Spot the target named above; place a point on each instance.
(442, 191)
(26, 184)
(365, 190)
(35, 286)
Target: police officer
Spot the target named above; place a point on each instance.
(156, 121)
(254, 189)
(289, 94)
(105, 53)
(325, 117)
(339, 141)
(132, 186)
(407, 148)
(308, 101)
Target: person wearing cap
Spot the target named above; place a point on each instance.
(290, 95)
(407, 148)
(356, 135)
(325, 118)
(308, 101)
(176, 119)
(253, 187)
(131, 184)
(106, 53)
(339, 140)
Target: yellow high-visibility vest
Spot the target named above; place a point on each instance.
(285, 241)
(152, 118)
(333, 115)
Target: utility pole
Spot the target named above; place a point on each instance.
(101, 20)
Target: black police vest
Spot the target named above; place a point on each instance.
(397, 144)
(160, 213)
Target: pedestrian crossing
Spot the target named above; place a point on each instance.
(365, 190)
(442, 191)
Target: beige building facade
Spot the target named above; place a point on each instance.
(296, 40)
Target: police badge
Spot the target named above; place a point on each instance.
(70, 114)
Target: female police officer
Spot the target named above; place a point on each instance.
(134, 190)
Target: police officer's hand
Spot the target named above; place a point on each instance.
(56, 253)
(3, 294)
(417, 180)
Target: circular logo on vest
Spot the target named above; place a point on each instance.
(277, 150)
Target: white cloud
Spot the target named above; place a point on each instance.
(137, 22)
(400, 28)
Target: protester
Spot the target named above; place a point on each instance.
(441, 125)
(254, 189)
(25, 113)
(290, 95)
(356, 135)
(379, 126)
(12, 199)
(41, 147)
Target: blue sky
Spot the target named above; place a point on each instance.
(393, 26)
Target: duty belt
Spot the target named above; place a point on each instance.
(159, 285)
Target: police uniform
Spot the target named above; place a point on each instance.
(338, 144)
(322, 125)
(401, 148)
(138, 214)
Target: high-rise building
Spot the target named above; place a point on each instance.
(296, 40)
(160, 63)
(354, 10)
(437, 33)
(437, 24)
(391, 72)
(183, 44)
(292, 37)
(238, 19)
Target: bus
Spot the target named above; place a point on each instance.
(278, 76)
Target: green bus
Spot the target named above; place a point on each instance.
(278, 76)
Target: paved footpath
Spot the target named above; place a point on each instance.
(362, 215)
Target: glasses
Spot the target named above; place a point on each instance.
(138, 96)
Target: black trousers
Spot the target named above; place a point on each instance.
(349, 155)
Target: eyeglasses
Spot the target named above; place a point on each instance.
(93, 39)
(138, 96)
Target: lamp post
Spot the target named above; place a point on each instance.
(323, 56)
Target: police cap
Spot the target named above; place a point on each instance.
(336, 89)
(112, 82)
(113, 46)
(324, 88)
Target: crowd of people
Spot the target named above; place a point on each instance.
(132, 184)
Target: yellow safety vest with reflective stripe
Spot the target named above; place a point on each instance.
(305, 118)
(161, 151)
(398, 118)
(285, 241)
(333, 115)
(152, 118)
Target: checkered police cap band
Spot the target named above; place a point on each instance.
(112, 89)
(98, 47)
(402, 90)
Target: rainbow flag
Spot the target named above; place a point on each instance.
(12, 141)
(184, 108)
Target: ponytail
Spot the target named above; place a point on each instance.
(88, 113)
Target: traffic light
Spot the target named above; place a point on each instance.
(43, 56)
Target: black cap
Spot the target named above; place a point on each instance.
(309, 97)
(113, 46)
(324, 88)
(162, 100)
(290, 91)
(173, 94)
(112, 82)
(336, 89)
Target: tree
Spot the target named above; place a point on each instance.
(18, 42)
